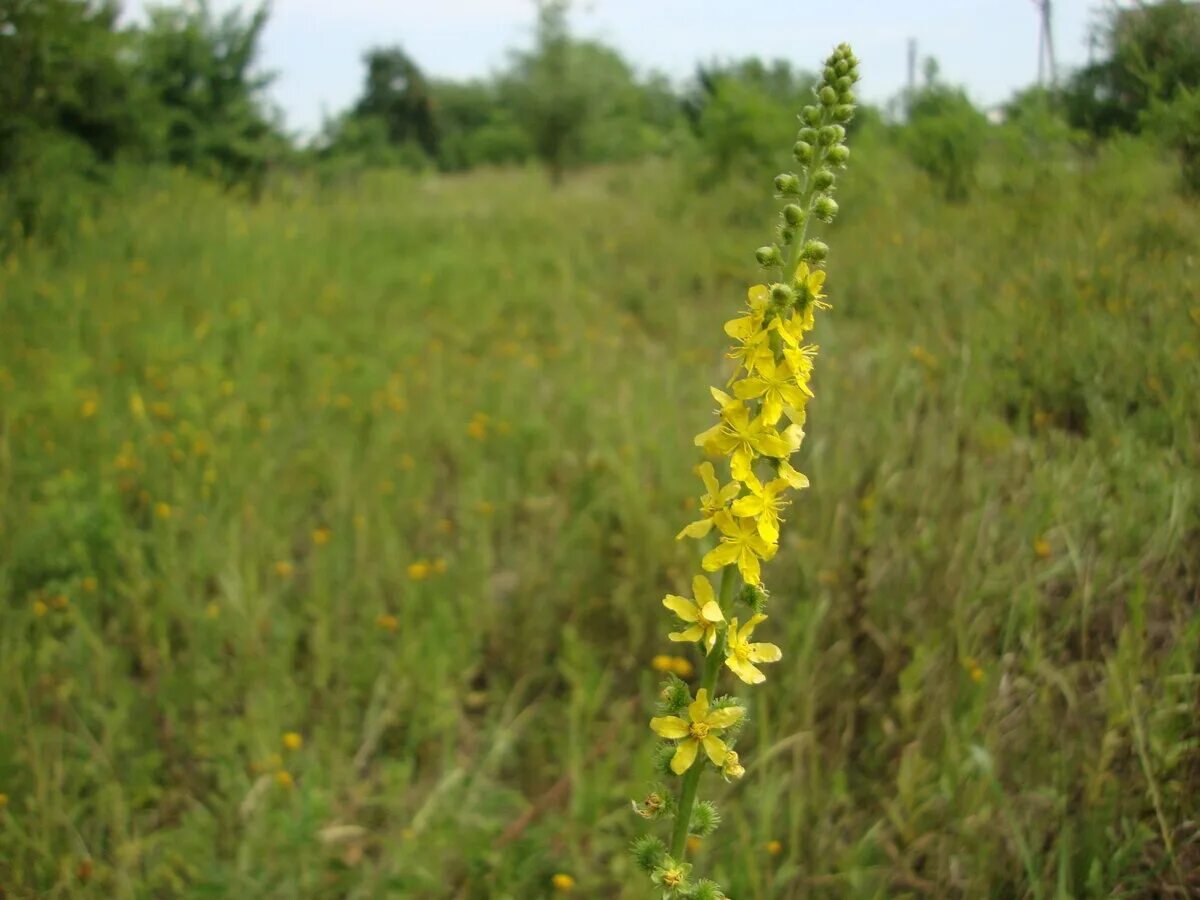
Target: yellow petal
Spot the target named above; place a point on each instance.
(702, 590)
(691, 634)
(739, 466)
(747, 507)
(772, 408)
(709, 476)
(698, 708)
(719, 557)
(697, 529)
(749, 388)
(758, 293)
(711, 612)
(751, 623)
(716, 749)
(745, 670)
(671, 727)
(682, 607)
(724, 717)
(765, 653)
(685, 755)
(749, 567)
(768, 528)
(770, 444)
(704, 438)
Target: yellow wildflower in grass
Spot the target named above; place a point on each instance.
(774, 848)
(284, 779)
(387, 621)
(769, 385)
(321, 536)
(740, 543)
(40, 608)
(284, 569)
(714, 501)
(763, 504)
(1042, 548)
(699, 730)
(702, 615)
(742, 655)
(162, 510)
(90, 584)
(3, 800)
(293, 740)
(563, 883)
(419, 570)
(742, 438)
(778, 388)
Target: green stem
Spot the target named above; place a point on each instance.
(691, 778)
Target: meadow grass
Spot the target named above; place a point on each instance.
(396, 465)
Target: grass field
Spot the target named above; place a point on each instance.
(393, 467)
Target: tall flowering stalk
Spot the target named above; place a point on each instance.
(760, 413)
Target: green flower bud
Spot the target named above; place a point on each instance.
(838, 154)
(814, 251)
(811, 115)
(705, 819)
(843, 113)
(846, 97)
(829, 74)
(786, 235)
(844, 83)
(708, 890)
(793, 214)
(828, 96)
(803, 152)
(754, 596)
(768, 256)
(648, 852)
(825, 209)
(787, 184)
(827, 136)
(675, 695)
(782, 294)
(823, 178)
(842, 67)
(839, 133)
(807, 135)
(663, 753)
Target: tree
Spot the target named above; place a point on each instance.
(211, 111)
(397, 94)
(548, 97)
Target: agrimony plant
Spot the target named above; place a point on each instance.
(761, 414)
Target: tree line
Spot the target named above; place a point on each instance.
(81, 92)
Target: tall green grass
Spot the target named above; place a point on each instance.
(235, 438)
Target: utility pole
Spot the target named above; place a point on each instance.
(1046, 63)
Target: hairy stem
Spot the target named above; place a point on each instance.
(691, 778)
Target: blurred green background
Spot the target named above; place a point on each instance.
(340, 481)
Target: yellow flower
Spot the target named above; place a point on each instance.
(701, 731)
(293, 741)
(732, 768)
(284, 779)
(774, 848)
(763, 503)
(563, 883)
(90, 583)
(693, 844)
(809, 282)
(3, 800)
(1042, 547)
(740, 543)
(419, 570)
(162, 510)
(387, 621)
(703, 614)
(749, 324)
(284, 569)
(711, 503)
(681, 667)
(777, 387)
(743, 654)
(796, 480)
(800, 361)
(742, 439)
(40, 608)
(321, 536)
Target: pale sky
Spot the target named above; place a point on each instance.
(989, 46)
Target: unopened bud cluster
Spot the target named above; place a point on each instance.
(819, 150)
